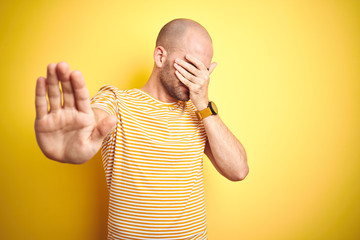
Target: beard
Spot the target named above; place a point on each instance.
(172, 84)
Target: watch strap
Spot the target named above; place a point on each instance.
(204, 113)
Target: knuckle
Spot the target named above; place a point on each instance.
(206, 76)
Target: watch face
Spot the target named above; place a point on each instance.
(213, 108)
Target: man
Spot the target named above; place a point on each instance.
(152, 139)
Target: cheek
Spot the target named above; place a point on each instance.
(170, 68)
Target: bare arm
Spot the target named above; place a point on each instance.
(71, 132)
(224, 150)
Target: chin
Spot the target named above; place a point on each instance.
(185, 99)
(183, 95)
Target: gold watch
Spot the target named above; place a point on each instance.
(210, 110)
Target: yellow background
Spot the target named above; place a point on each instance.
(287, 85)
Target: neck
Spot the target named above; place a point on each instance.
(155, 89)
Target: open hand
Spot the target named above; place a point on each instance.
(196, 77)
(67, 131)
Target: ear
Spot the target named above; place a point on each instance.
(160, 55)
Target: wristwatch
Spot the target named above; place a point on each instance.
(210, 110)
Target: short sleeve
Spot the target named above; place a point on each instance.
(105, 99)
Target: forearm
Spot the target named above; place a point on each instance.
(226, 150)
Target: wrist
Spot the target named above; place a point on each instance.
(202, 105)
(211, 109)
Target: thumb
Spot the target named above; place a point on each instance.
(103, 128)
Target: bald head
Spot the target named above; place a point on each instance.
(174, 32)
(177, 41)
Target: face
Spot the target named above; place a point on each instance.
(171, 83)
(197, 47)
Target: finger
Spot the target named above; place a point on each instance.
(104, 127)
(63, 73)
(189, 67)
(81, 93)
(212, 67)
(185, 73)
(52, 84)
(41, 103)
(185, 81)
(196, 62)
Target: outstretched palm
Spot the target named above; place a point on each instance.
(68, 132)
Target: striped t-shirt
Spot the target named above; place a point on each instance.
(153, 162)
